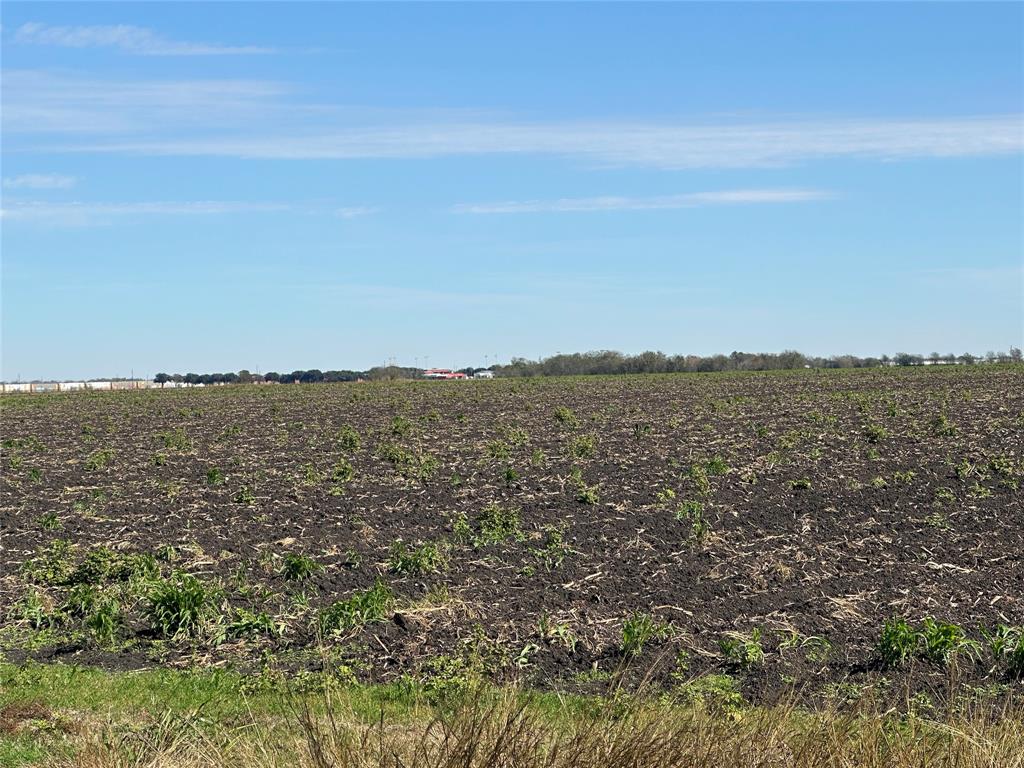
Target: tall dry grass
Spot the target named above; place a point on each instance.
(500, 730)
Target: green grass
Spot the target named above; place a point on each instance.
(66, 715)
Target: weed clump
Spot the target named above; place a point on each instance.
(180, 605)
(363, 607)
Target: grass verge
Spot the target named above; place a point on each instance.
(53, 715)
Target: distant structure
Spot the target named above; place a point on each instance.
(443, 373)
(483, 375)
(38, 387)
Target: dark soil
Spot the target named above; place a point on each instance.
(834, 500)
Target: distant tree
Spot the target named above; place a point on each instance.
(229, 378)
(902, 358)
(1015, 354)
(243, 376)
(271, 376)
(967, 358)
(791, 358)
(192, 378)
(162, 378)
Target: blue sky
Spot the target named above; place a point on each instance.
(209, 187)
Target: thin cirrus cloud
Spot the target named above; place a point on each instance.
(49, 112)
(39, 181)
(82, 214)
(657, 145)
(664, 202)
(126, 38)
(356, 211)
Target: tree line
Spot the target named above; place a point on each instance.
(608, 362)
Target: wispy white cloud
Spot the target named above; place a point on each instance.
(216, 118)
(80, 214)
(36, 102)
(39, 181)
(667, 146)
(664, 202)
(356, 211)
(125, 37)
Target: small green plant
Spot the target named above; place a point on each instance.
(245, 495)
(105, 565)
(495, 524)
(966, 469)
(566, 417)
(1002, 639)
(176, 440)
(514, 435)
(180, 605)
(941, 641)
(342, 472)
(553, 550)
(247, 624)
(588, 494)
(104, 621)
(875, 433)
(499, 450)
(462, 531)
(692, 511)
(49, 522)
(1015, 659)
(898, 642)
(99, 459)
(638, 630)
(742, 651)
(801, 483)
(401, 426)
(510, 476)
(33, 610)
(904, 478)
(363, 607)
(299, 567)
(348, 439)
(557, 632)
(699, 476)
(716, 466)
(817, 648)
(80, 600)
(52, 565)
(310, 474)
(582, 446)
(412, 465)
(717, 693)
(214, 477)
(936, 641)
(423, 558)
(942, 426)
